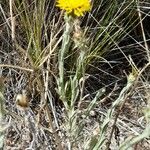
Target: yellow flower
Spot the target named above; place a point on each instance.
(75, 7)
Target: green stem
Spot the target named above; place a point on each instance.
(120, 100)
(64, 49)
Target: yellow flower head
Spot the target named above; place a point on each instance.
(75, 7)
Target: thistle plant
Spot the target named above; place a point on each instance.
(70, 89)
(72, 9)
